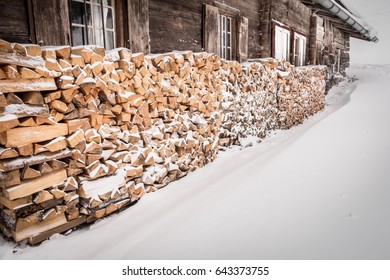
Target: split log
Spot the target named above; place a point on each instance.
(26, 135)
(22, 85)
(13, 164)
(29, 187)
(21, 60)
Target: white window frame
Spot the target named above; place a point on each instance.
(225, 34)
(90, 27)
(299, 49)
(282, 43)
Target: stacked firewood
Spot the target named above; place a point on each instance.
(249, 102)
(265, 95)
(301, 93)
(84, 133)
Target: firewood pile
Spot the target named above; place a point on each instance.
(301, 93)
(85, 132)
(265, 95)
(249, 103)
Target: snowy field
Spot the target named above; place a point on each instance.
(318, 191)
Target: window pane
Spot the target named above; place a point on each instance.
(110, 40)
(77, 12)
(99, 39)
(90, 36)
(108, 18)
(97, 1)
(78, 35)
(88, 14)
(97, 16)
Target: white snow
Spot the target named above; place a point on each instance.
(317, 191)
(377, 13)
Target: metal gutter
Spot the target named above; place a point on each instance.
(344, 16)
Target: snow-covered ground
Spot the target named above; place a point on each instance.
(318, 191)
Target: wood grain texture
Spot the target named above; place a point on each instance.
(29, 187)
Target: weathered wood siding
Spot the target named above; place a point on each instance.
(291, 13)
(14, 21)
(177, 25)
(329, 45)
(48, 30)
(138, 15)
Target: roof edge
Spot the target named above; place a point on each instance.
(348, 18)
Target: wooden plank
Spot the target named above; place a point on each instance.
(15, 14)
(243, 39)
(12, 204)
(22, 85)
(26, 110)
(210, 28)
(33, 224)
(139, 25)
(46, 32)
(13, 164)
(63, 228)
(21, 60)
(26, 135)
(29, 187)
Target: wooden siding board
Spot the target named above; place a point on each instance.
(292, 13)
(178, 24)
(139, 20)
(47, 31)
(14, 21)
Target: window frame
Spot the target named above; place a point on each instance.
(90, 25)
(226, 44)
(211, 32)
(286, 50)
(300, 58)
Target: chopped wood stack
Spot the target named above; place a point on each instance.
(301, 93)
(85, 132)
(265, 95)
(249, 102)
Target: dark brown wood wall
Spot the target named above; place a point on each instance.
(177, 25)
(51, 18)
(291, 13)
(14, 21)
(138, 15)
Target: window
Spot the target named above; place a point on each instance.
(225, 32)
(282, 43)
(299, 50)
(225, 26)
(93, 22)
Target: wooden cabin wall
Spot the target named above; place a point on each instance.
(51, 18)
(14, 22)
(328, 45)
(292, 13)
(138, 15)
(177, 25)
